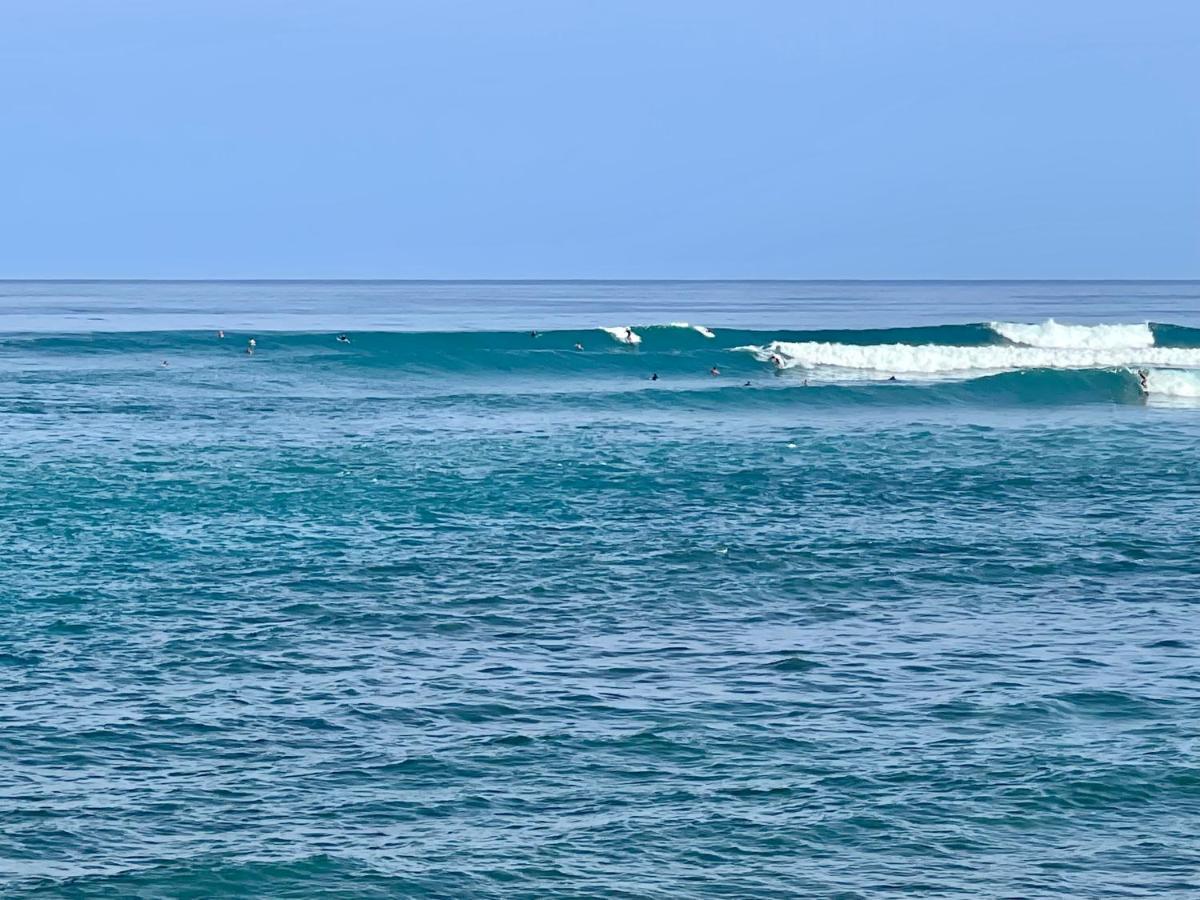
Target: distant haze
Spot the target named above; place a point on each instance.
(625, 138)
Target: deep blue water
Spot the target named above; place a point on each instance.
(451, 610)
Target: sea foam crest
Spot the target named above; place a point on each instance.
(935, 359)
(1057, 335)
(697, 328)
(624, 335)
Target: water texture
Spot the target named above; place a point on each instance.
(453, 610)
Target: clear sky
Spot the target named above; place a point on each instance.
(600, 138)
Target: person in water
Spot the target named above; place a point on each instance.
(250, 345)
(534, 334)
(220, 332)
(893, 378)
(343, 338)
(654, 377)
(578, 346)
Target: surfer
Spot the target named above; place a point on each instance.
(654, 377)
(343, 338)
(250, 345)
(220, 332)
(1143, 380)
(893, 378)
(578, 346)
(164, 363)
(714, 371)
(776, 361)
(628, 335)
(534, 334)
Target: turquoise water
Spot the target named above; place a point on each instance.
(455, 611)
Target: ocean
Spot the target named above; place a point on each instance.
(599, 589)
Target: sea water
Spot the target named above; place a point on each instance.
(902, 602)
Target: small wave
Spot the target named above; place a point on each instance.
(1057, 335)
(937, 360)
(624, 335)
(700, 329)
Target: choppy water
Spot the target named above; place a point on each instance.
(462, 612)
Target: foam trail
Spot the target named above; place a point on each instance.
(932, 359)
(624, 335)
(1056, 335)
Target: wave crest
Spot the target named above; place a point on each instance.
(933, 359)
(699, 329)
(1057, 335)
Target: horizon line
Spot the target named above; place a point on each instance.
(568, 280)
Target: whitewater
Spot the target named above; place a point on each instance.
(1026, 346)
(930, 359)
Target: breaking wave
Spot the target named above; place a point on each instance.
(699, 329)
(1174, 383)
(1133, 350)
(1002, 361)
(1056, 335)
(623, 335)
(897, 359)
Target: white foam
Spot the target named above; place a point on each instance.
(884, 360)
(1056, 335)
(697, 328)
(1172, 383)
(624, 335)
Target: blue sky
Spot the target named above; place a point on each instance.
(580, 138)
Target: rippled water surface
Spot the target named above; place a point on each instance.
(482, 615)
